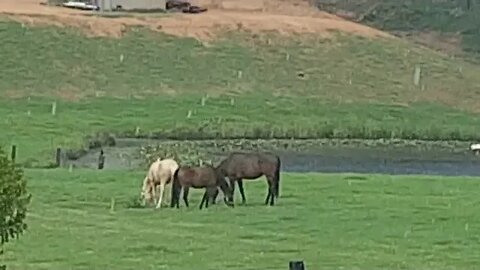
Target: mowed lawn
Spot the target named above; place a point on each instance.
(330, 221)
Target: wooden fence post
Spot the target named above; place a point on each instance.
(296, 265)
(13, 155)
(58, 157)
(101, 160)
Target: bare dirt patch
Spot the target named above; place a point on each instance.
(283, 16)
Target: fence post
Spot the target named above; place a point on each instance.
(13, 155)
(416, 75)
(296, 265)
(54, 108)
(112, 205)
(101, 160)
(58, 157)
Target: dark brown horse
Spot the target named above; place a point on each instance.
(199, 177)
(238, 166)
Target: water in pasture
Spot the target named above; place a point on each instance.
(328, 159)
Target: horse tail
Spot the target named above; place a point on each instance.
(175, 184)
(175, 177)
(277, 177)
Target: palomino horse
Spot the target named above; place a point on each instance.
(238, 166)
(159, 174)
(199, 177)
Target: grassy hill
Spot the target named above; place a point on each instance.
(258, 86)
(454, 18)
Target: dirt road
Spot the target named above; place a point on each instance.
(283, 16)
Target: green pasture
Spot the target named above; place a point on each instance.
(253, 86)
(331, 221)
(38, 135)
(239, 86)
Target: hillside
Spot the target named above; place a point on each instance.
(451, 26)
(315, 76)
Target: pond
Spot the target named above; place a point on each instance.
(330, 159)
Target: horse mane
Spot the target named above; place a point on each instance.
(146, 181)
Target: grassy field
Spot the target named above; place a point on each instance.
(352, 88)
(38, 135)
(243, 85)
(330, 221)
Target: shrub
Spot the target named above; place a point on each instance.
(14, 199)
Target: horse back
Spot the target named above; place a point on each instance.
(251, 165)
(197, 177)
(163, 170)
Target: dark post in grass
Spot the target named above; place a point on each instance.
(296, 265)
(14, 153)
(58, 158)
(101, 160)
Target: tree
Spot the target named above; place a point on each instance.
(14, 199)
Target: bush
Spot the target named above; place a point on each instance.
(14, 199)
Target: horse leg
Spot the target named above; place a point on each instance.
(167, 193)
(214, 196)
(172, 199)
(204, 198)
(240, 187)
(208, 196)
(162, 189)
(175, 193)
(272, 189)
(185, 195)
(211, 192)
(153, 193)
(269, 192)
(177, 196)
(232, 186)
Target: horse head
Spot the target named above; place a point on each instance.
(146, 192)
(228, 198)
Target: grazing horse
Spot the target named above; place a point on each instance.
(159, 174)
(199, 177)
(250, 166)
